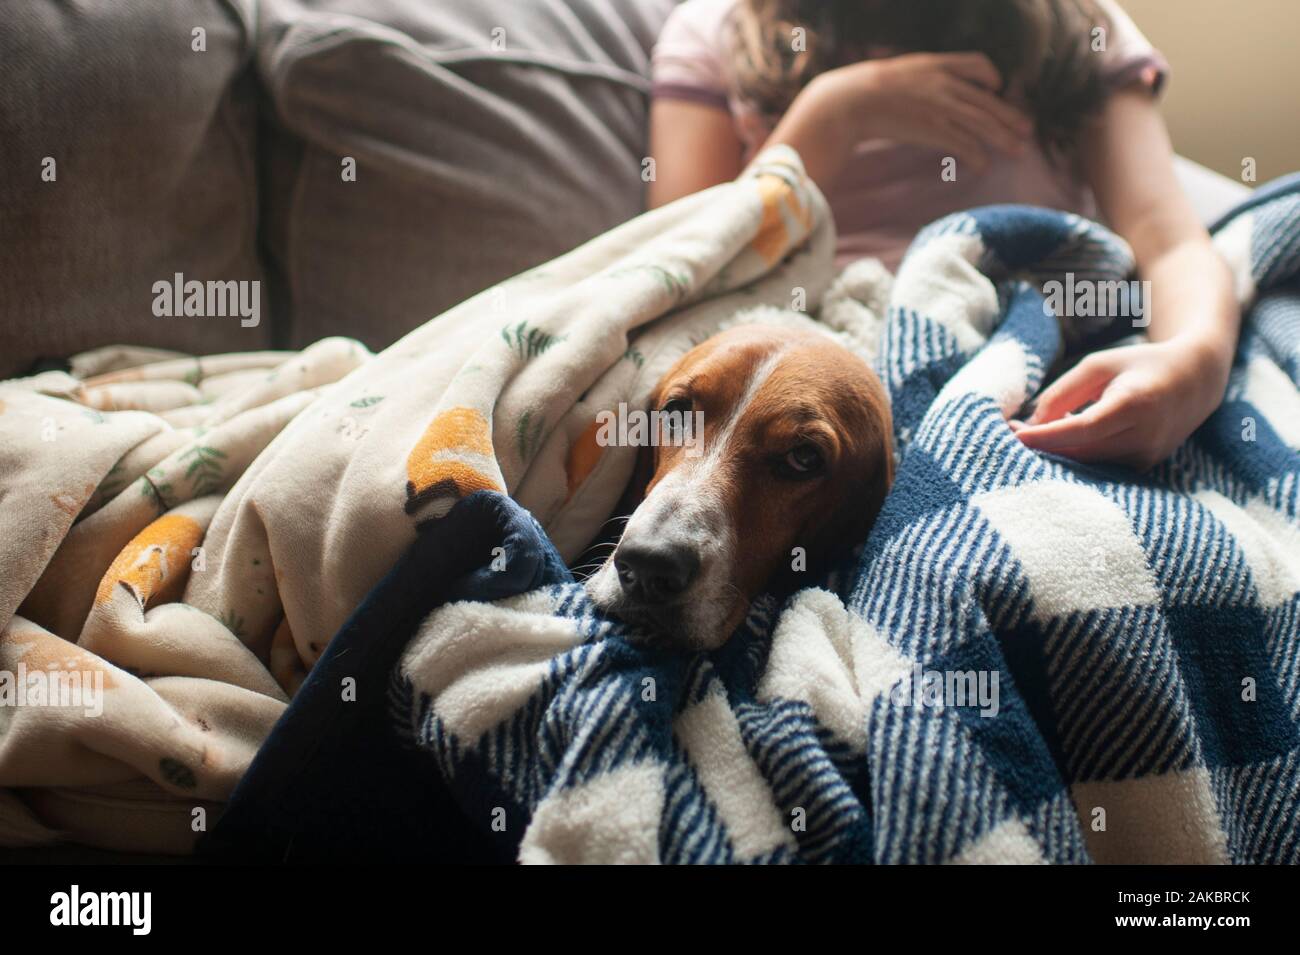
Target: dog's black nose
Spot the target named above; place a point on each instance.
(653, 572)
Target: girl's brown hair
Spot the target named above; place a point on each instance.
(1044, 44)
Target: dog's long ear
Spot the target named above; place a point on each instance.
(853, 520)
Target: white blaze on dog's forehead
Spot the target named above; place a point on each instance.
(688, 492)
(691, 483)
(758, 377)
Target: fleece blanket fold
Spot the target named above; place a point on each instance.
(184, 536)
(1029, 660)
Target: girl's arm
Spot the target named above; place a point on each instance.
(694, 147)
(1148, 397)
(942, 100)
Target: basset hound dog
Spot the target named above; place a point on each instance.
(796, 453)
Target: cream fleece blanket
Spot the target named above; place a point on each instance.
(183, 536)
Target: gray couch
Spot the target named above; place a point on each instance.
(487, 136)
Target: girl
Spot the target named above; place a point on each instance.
(1048, 102)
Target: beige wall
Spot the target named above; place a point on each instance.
(1235, 84)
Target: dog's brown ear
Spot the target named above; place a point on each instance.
(853, 521)
(857, 513)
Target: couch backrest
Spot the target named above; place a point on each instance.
(369, 162)
(127, 143)
(428, 150)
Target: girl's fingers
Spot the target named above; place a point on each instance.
(1121, 447)
(1102, 422)
(974, 67)
(1083, 383)
(995, 108)
(966, 145)
(988, 128)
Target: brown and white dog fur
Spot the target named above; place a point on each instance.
(796, 453)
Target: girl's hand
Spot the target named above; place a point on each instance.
(1143, 402)
(946, 101)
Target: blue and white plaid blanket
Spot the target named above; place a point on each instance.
(1028, 660)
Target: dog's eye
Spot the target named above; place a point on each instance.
(675, 412)
(678, 405)
(803, 461)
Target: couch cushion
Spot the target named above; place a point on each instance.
(153, 149)
(488, 136)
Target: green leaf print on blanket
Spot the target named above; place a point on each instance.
(528, 342)
(156, 489)
(676, 284)
(205, 469)
(529, 433)
(111, 485)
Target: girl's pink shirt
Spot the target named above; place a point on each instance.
(892, 190)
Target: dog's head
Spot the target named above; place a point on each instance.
(795, 453)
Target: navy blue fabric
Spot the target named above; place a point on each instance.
(333, 782)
